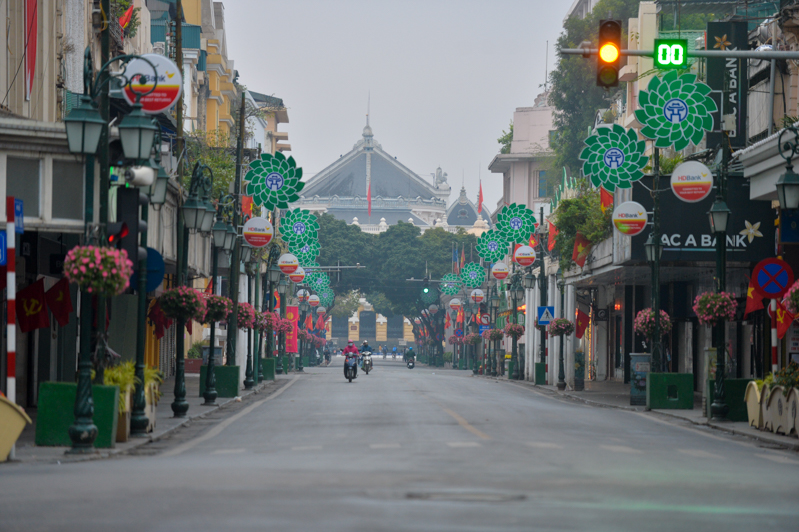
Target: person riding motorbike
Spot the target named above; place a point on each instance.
(327, 355)
(350, 351)
(364, 347)
(408, 355)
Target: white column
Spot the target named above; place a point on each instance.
(529, 334)
(571, 342)
(536, 334)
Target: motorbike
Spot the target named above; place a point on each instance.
(411, 363)
(394, 355)
(350, 365)
(385, 355)
(367, 361)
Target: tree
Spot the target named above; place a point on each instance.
(346, 304)
(349, 245)
(582, 214)
(574, 92)
(506, 139)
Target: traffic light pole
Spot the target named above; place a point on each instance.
(138, 419)
(729, 54)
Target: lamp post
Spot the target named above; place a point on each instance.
(561, 368)
(282, 289)
(304, 309)
(528, 283)
(87, 135)
(517, 294)
(250, 266)
(468, 310)
(494, 306)
(718, 217)
(273, 277)
(653, 253)
(219, 232)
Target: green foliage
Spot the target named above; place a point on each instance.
(574, 92)
(582, 214)
(380, 303)
(667, 163)
(213, 149)
(196, 350)
(448, 356)
(346, 304)
(118, 8)
(124, 376)
(505, 139)
(788, 377)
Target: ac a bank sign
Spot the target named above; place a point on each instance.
(685, 230)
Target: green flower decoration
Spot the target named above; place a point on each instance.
(306, 252)
(675, 111)
(274, 181)
(326, 296)
(299, 226)
(614, 157)
(317, 280)
(473, 275)
(450, 284)
(492, 246)
(430, 297)
(516, 223)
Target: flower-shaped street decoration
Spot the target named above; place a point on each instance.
(473, 275)
(326, 296)
(450, 284)
(751, 231)
(614, 158)
(317, 280)
(430, 297)
(491, 246)
(306, 252)
(274, 181)
(675, 111)
(516, 223)
(299, 226)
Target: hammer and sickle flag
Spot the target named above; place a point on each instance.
(60, 302)
(31, 308)
(784, 320)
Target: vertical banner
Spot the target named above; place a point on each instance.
(31, 38)
(732, 99)
(292, 315)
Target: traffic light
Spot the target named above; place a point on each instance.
(115, 232)
(671, 53)
(129, 202)
(607, 66)
(426, 287)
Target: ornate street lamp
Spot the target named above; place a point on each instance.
(159, 187)
(561, 367)
(493, 306)
(84, 127)
(136, 132)
(719, 215)
(246, 251)
(788, 183)
(516, 294)
(230, 238)
(282, 288)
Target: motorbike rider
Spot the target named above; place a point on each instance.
(408, 355)
(350, 351)
(327, 354)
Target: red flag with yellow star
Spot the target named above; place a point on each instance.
(59, 301)
(553, 233)
(533, 242)
(753, 300)
(581, 248)
(581, 322)
(447, 322)
(605, 199)
(31, 309)
(784, 320)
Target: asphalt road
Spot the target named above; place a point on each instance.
(416, 449)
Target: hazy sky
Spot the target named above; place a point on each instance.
(445, 75)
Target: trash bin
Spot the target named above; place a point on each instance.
(217, 355)
(639, 369)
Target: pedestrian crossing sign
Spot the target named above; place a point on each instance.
(545, 315)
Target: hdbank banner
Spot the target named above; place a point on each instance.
(292, 314)
(685, 230)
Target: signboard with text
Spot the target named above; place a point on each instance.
(733, 101)
(292, 314)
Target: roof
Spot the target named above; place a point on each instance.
(464, 213)
(392, 216)
(268, 101)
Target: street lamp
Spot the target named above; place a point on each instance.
(230, 238)
(282, 288)
(788, 183)
(159, 187)
(493, 305)
(219, 233)
(516, 294)
(719, 215)
(246, 251)
(561, 367)
(136, 132)
(84, 127)
(305, 307)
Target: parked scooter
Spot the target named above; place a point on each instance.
(350, 367)
(367, 361)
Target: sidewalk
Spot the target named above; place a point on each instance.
(27, 451)
(614, 394)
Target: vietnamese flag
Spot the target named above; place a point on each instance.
(31, 307)
(581, 323)
(753, 300)
(308, 322)
(320, 323)
(246, 205)
(533, 242)
(447, 322)
(60, 302)
(553, 233)
(480, 199)
(210, 288)
(124, 20)
(784, 320)
(459, 318)
(605, 198)
(581, 248)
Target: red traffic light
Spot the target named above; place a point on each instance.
(116, 232)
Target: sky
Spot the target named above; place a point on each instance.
(444, 76)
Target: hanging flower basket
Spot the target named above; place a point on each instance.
(514, 330)
(493, 334)
(560, 327)
(101, 271)
(217, 308)
(791, 300)
(245, 317)
(455, 340)
(710, 307)
(183, 303)
(645, 323)
(283, 326)
(472, 339)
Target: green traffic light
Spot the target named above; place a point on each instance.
(671, 53)
(425, 290)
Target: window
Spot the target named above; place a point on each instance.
(68, 190)
(542, 184)
(24, 182)
(553, 136)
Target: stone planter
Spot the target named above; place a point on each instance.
(123, 423)
(793, 411)
(56, 413)
(777, 417)
(192, 365)
(754, 412)
(13, 420)
(670, 391)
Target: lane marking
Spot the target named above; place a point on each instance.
(777, 458)
(228, 451)
(217, 430)
(465, 424)
(698, 453)
(384, 445)
(460, 444)
(543, 445)
(621, 449)
(307, 448)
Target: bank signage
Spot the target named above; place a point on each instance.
(732, 99)
(685, 230)
(630, 218)
(691, 181)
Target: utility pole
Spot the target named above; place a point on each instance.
(233, 324)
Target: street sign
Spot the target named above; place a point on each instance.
(484, 328)
(19, 213)
(458, 332)
(771, 278)
(545, 315)
(3, 248)
(258, 232)
(167, 89)
(485, 319)
(691, 181)
(155, 271)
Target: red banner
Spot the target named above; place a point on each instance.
(292, 314)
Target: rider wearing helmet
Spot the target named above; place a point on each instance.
(350, 351)
(408, 355)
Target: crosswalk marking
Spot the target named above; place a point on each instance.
(463, 444)
(621, 449)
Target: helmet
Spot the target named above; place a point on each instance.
(410, 349)
(365, 343)
(349, 342)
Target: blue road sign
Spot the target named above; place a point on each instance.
(545, 315)
(484, 328)
(3, 254)
(19, 214)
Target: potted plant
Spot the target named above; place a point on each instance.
(784, 418)
(455, 340)
(194, 358)
(245, 316)
(472, 339)
(183, 303)
(560, 327)
(710, 307)
(514, 330)
(102, 271)
(217, 308)
(124, 376)
(644, 323)
(493, 335)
